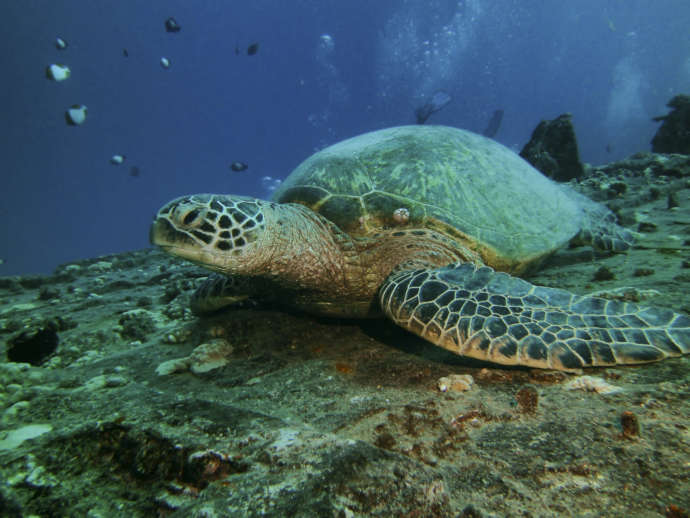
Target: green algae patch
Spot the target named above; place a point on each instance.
(15, 437)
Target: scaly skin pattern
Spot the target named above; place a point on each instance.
(290, 254)
(421, 279)
(478, 312)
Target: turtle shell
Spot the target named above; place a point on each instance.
(464, 185)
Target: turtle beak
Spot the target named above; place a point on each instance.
(163, 234)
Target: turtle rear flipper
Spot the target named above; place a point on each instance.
(478, 312)
(599, 227)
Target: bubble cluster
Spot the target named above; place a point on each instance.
(419, 52)
(326, 43)
(331, 85)
(270, 184)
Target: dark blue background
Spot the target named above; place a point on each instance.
(612, 63)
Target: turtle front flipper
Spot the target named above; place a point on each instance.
(220, 291)
(478, 312)
(216, 292)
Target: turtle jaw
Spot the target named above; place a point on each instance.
(179, 244)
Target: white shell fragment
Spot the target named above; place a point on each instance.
(206, 357)
(456, 383)
(592, 384)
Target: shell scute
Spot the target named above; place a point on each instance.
(464, 185)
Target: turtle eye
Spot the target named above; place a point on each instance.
(188, 215)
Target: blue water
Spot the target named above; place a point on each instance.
(325, 70)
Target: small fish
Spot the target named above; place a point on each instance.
(252, 49)
(125, 53)
(57, 72)
(608, 148)
(171, 25)
(165, 63)
(117, 159)
(76, 115)
(60, 44)
(238, 166)
(134, 171)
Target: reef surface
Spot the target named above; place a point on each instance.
(117, 401)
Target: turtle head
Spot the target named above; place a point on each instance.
(218, 232)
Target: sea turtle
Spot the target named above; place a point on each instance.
(428, 226)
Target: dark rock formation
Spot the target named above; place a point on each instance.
(553, 149)
(674, 134)
(34, 345)
(639, 179)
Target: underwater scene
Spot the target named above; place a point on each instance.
(403, 258)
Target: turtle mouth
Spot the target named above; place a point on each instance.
(199, 257)
(165, 235)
